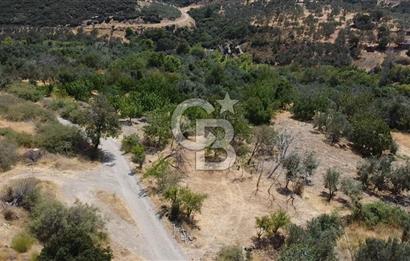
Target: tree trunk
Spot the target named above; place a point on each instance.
(253, 154)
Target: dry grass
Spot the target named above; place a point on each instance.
(228, 214)
(27, 127)
(356, 234)
(403, 140)
(116, 204)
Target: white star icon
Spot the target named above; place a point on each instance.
(227, 104)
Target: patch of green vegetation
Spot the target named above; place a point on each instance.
(155, 12)
(22, 242)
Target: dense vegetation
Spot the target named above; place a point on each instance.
(67, 233)
(63, 12)
(92, 82)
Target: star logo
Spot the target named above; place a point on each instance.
(227, 104)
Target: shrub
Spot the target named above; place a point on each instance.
(22, 193)
(305, 107)
(8, 155)
(9, 214)
(379, 250)
(316, 242)
(129, 142)
(20, 138)
(57, 138)
(73, 243)
(26, 92)
(25, 111)
(22, 242)
(50, 218)
(230, 253)
(68, 109)
(378, 212)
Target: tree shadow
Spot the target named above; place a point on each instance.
(274, 242)
(284, 191)
(391, 198)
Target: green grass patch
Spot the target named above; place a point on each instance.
(22, 242)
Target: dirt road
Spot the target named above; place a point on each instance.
(117, 29)
(158, 243)
(115, 176)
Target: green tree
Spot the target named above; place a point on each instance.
(370, 135)
(158, 130)
(74, 244)
(102, 121)
(331, 182)
(383, 36)
(270, 224)
(138, 154)
(292, 164)
(353, 189)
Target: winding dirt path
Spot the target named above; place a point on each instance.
(117, 29)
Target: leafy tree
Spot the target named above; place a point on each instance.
(102, 121)
(270, 224)
(309, 164)
(370, 135)
(183, 201)
(375, 172)
(331, 182)
(74, 244)
(400, 179)
(333, 123)
(383, 37)
(292, 164)
(129, 107)
(165, 176)
(158, 130)
(353, 189)
(264, 138)
(138, 154)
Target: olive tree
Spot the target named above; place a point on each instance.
(102, 121)
(331, 181)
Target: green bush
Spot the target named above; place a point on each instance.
(269, 225)
(20, 138)
(22, 242)
(57, 138)
(8, 155)
(230, 253)
(376, 213)
(379, 250)
(26, 92)
(129, 142)
(316, 242)
(25, 111)
(68, 109)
